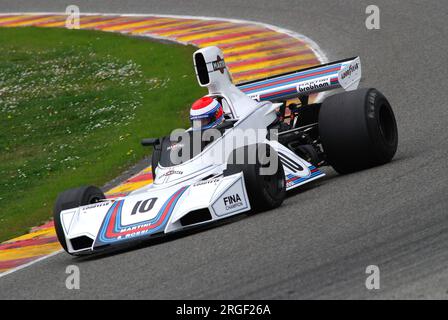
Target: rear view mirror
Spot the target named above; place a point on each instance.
(150, 142)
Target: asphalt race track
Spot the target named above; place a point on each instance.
(319, 243)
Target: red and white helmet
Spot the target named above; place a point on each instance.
(206, 113)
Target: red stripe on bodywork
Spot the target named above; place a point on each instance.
(110, 228)
(267, 95)
(292, 79)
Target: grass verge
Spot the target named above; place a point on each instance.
(74, 105)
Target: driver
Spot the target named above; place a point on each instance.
(206, 113)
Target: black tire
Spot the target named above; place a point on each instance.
(264, 191)
(357, 130)
(73, 198)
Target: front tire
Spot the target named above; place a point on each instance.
(265, 191)
(73, 198)
(358, 130)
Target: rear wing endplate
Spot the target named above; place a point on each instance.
(344, 74)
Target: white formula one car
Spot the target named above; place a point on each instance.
(351, 130)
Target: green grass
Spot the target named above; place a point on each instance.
(74, 105)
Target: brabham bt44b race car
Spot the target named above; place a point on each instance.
(351, 130)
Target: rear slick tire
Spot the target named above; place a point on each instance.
(358, 130)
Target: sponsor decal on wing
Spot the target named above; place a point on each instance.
(254, 96)
(233, 200)
(314, 85)
(219, 64)
(206, 182)
(350, 75)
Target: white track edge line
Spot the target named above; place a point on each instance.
(23, 266)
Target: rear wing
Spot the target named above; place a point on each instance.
(344, 74)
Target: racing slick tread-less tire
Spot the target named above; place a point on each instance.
(73, 198)
(357, 130)
(264, 191)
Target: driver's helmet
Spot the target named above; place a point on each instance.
(206, 113)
